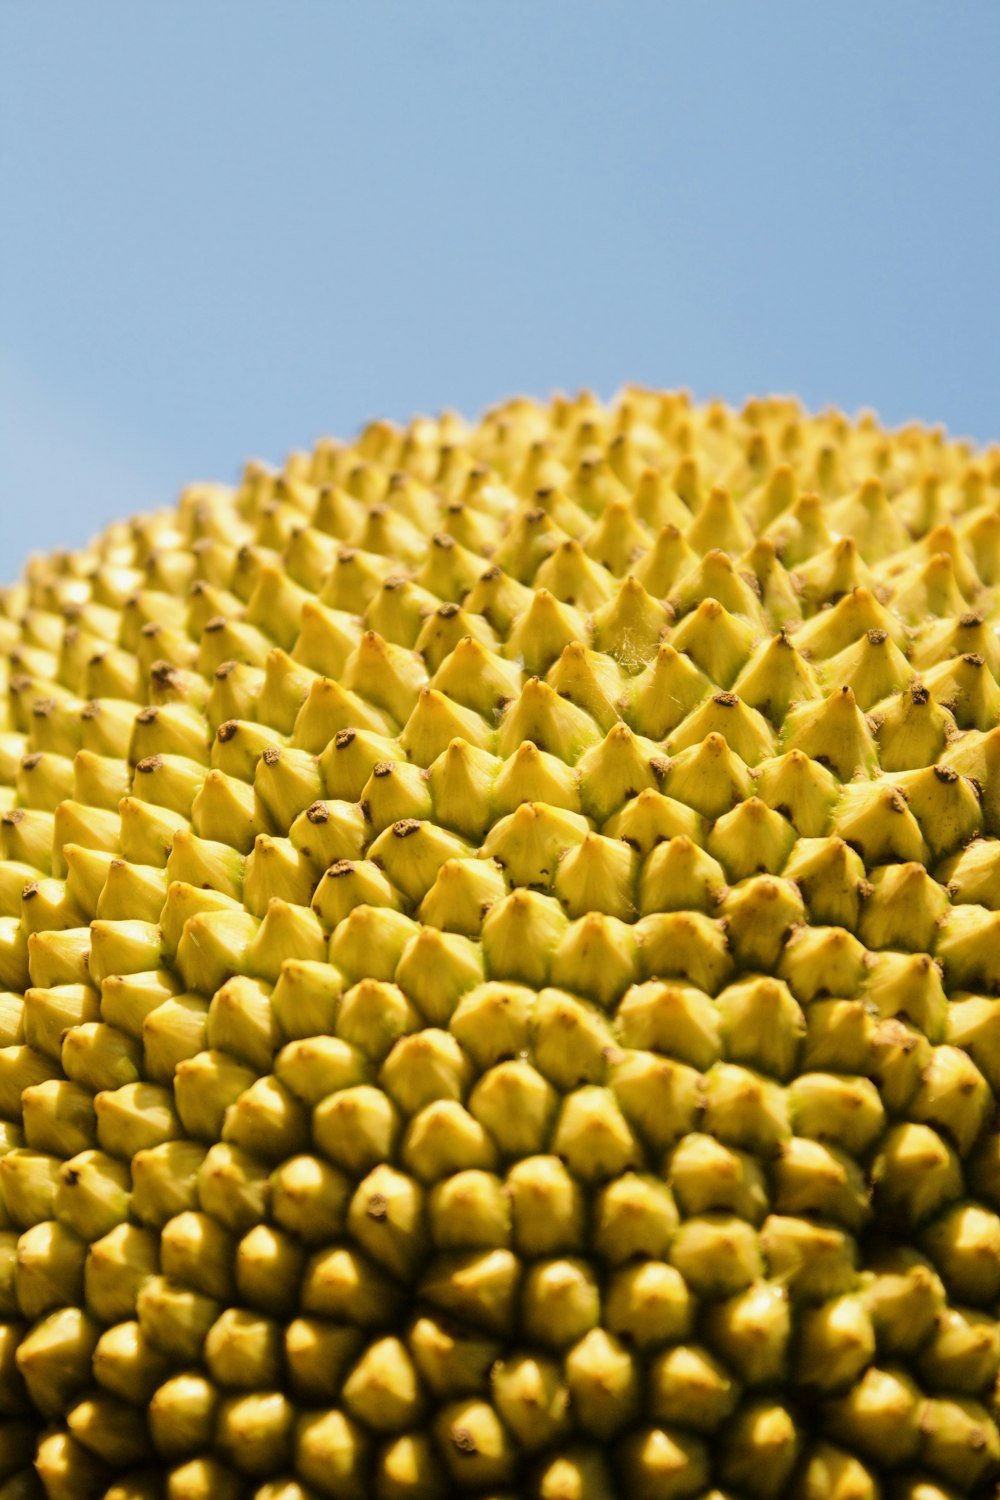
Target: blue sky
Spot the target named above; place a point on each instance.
(231, 227)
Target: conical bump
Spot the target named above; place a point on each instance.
(499, 932)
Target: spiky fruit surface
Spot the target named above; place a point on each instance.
(500, 947)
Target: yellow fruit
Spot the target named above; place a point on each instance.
(499, 958)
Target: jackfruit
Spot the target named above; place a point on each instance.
(499, 970)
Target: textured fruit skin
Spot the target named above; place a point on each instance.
(499, 970)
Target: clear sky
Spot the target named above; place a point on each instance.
(229, 226)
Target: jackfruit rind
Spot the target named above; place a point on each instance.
(499, 964)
